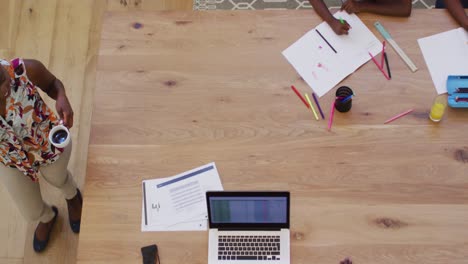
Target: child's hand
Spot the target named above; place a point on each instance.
(340, 28)
(351, 7)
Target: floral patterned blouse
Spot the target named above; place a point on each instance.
(24, 132)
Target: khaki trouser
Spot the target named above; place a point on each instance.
(27, 194)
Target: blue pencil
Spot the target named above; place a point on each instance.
(318, 105)
(347, 99)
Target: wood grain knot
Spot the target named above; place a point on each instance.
(346, 261)
(183, 22)
(140, 71)
(461, 155)
(30, 10)
(194, 121)
(225, 99)
(421, 115)
(389, 223)
(137, 2)
(121, 47)
(366, 114)
(298, 236)
(150, 34)
(265, 38)
(170, 83)
(250, 31)
(123, 2)
(137, 25)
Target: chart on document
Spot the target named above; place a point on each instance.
(175, 202)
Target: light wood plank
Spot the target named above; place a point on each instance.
(5, 22)
(68, 61)
(9, 17)
(65, 36)
(12, 229)
(149, 5)
(87, 95)
(35, 32)
(13, 226)
(69, 57)
(11, 261)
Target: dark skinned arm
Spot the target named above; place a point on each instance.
(456, 10)
(324, 13)
(400, 8)
(53, 87)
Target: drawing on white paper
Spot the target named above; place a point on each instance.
(343, 54)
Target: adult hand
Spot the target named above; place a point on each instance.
(340, 28)
(351, 6)
(64, 110)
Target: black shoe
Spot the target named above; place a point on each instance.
(75, 225)
(40, 245)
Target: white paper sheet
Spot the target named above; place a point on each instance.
(178, 203)
(445, 54)
(322, 68)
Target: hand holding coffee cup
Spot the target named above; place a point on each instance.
(59, 136)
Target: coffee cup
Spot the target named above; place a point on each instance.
(59, 136)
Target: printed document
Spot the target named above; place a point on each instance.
(178, 203)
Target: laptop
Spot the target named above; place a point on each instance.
(248, 227)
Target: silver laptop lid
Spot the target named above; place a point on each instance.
(248, 210)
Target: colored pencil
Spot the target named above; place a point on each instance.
(344, 22)
(347, 98)
(380, 68)
(382, 55)
(398, 116)
(300, 96)
(311, 106)
(318, 105)
(332, 113)
(320, 34)
(388, 66)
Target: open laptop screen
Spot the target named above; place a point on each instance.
(248, 209)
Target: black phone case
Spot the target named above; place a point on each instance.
(150, 254)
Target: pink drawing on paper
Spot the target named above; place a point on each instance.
(322, 66)
(315, 75)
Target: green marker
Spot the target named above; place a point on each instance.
(342, 21)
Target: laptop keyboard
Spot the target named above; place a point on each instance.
(249, 248)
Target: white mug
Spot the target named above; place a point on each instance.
(59, 136)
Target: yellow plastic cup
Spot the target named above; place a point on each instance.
(438, 108)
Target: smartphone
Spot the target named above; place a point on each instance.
(150, 254)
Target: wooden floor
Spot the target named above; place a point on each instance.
(64, 35)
